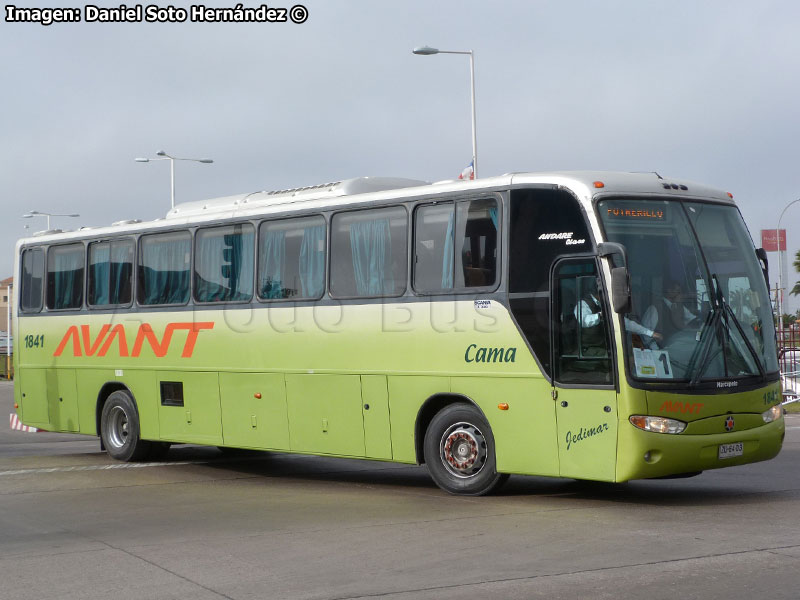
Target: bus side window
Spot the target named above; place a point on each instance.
(164, 260)
(433, 247)
(32, 279)
(223, 263)
(291, 259)
(368, 252)
(455, 245)
(582, 343)
(65, 276)
(476, 237)
(111, 273)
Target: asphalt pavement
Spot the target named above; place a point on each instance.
(76, 525)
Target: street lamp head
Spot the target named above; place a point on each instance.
(142, 159)
(161, 153)
(28, 216)
(425, 50)
(205, 160)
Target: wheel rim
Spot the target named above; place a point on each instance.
(117, 427)
(463, 450)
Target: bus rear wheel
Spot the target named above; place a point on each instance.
(459, 451)
(119, 428)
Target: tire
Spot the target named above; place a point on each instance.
(460, 453)
(119, 428)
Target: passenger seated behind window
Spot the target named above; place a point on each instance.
(645, 329)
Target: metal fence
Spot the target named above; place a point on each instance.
(789, 360)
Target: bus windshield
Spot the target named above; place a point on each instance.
(700, 307)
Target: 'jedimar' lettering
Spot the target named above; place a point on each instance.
(84, 345)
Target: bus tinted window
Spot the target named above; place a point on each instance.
(544, 224)
(223, 269)
(582, 344)
(368, 253)
(164, 268)
(441, 229)
(476, 237)
(111, 273)
(65, 276)
(32, 277)
(291, 259)
(433, 247)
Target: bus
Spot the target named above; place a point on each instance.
(589, 325)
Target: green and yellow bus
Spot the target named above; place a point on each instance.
(602, 326)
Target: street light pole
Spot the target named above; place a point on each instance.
(428, 51)
(164, 156)
(36, 213)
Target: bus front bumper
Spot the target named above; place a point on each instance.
(644, 454)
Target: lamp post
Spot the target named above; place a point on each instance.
(35, 213)
(780, 265)
(164, 156)
(427, 51)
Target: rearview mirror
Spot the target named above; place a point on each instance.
(621, 290)
(620, 278)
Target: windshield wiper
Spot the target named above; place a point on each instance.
(730, 315)
(712, 321)
(720, 310)
(704, 346)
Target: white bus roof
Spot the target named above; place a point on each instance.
(366, 190)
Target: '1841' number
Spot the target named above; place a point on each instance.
(34, 341)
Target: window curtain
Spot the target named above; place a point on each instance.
(231, 267)
(447, 257)
(493, 215)
(33, 275)
(224, 269)
(100, 257)
(68, 267)
(242, 264)
(110, 280)
(273, 251)
(120, 273)
(166, 271)
(370, 243)
(312, 261)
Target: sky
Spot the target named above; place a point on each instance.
(700, 91)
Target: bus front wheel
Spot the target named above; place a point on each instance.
(459, 451)
(119, 428)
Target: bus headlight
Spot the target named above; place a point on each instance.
(773, 414)
(657, 424)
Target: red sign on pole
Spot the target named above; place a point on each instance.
(773, 240)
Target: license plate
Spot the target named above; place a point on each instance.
(730, 450)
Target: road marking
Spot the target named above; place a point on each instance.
(16, 424)
(102, 467)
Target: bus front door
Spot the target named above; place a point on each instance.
(583, 381)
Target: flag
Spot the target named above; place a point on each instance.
(469, 171)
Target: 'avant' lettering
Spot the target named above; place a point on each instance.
(145, 332)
